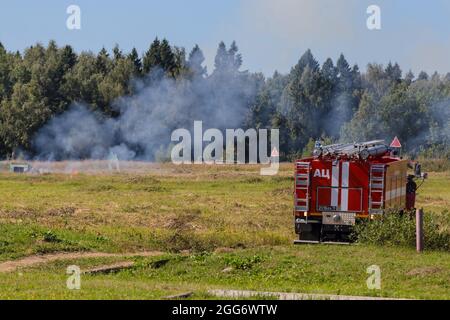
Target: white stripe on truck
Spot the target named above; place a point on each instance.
(345, 185)
(335, 185)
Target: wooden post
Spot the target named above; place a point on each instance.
(419, 230)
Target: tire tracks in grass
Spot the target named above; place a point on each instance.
(34, 260)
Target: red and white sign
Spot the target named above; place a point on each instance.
(275, 153)
(396, 143)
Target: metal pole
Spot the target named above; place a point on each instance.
(419, 230)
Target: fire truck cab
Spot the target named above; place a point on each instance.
(341, 183)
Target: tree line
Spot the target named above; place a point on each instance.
(334, 101)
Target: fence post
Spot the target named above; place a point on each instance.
(419, 230)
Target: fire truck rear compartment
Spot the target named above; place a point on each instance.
(344, 183)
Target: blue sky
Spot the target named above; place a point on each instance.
(271, 34)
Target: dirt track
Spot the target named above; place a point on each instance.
(30, 261)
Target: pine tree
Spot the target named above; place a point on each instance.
(68, 58)
(221, 59)
(329, 71)
(103, 63)
(342, 100)
(235, 58)
(409, 77)
(181, 65)
(168, 63)
(306, 60)
(117, 53)
(344, 74)
(393, 72)
(422, 76)
(152, 57)
(137, 63)
(195, 62)
(304, 99)
(227, 61)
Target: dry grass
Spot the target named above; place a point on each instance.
(148, 205)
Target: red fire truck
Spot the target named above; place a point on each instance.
(342, 183)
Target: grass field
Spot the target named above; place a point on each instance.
(219, 227)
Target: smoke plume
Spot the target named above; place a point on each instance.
(147, 118)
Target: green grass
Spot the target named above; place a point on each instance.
(308, 269)
(434, 195)
(198, 209)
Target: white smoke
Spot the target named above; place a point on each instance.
(147, 118)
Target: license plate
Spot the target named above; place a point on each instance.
(327, 208)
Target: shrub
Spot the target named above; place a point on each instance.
(243, 263)
(50, 236)
(400, 230)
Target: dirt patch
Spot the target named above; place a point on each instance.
(13, 265)
(183, 222)
(61, 212)
(142, 180)
(423, 271)
(19, 213)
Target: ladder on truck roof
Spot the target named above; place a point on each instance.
(302, 182)
(376, 188)
(350, 149)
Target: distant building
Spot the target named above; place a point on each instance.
(19, 167)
